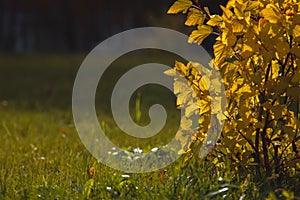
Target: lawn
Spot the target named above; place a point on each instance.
(42, 157)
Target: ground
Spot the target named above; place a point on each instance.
(42, 157)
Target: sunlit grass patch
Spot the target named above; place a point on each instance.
(42, 157)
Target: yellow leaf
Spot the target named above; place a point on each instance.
(184, 141)
(237, 27)
(180, 6)
(237, 84)
(221, 116)
(247, 17)
(199, 35)
(241, 125)
(296, 31)
(200, 68)
(170, 72)
(270, 14)
(216, 85)
(184, 97)
(275, 30)
(195, 17)
(215, 20)
(288, 195)
(204, 83)
(204, 106)
(181, 151)
(181, 68)
(231, 3)
(240, 1)
(206, 9)
(253, 5)
(238, 13)
(278, 110)
(229, 71)
(246, 51)
(221, 52)
(186, 123)
(245, 89)
(227, 14)
(282, 47)
(180, 86)
(216, 105)
(228, 38)
(191, 109)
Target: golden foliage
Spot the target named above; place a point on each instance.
(258, 54)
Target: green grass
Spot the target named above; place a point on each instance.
(42, 157)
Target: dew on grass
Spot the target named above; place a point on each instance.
(115, 153)
(108, 188)
(34, 148)
(217, 192)
(42, 158)
(125, 176)
(138, 150)
(155, 149)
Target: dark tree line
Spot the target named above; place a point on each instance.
(78, 25)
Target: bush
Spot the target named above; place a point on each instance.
(257, 52)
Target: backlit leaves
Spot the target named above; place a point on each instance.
(221, 52)
(180, 6)
(228, 38)
(227, 14)
(204, 106)
(200, 34)
(271, 13)
(195, 17)
(258, 53)
(216, 20)
(237, 26)
(296, 31)
(254, 5)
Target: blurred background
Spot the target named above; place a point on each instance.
(42, 45)
(43, 42)
(79, 25)
(76, 25)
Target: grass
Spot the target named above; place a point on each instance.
(42, 157)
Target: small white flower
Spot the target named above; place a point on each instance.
(138, 150)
